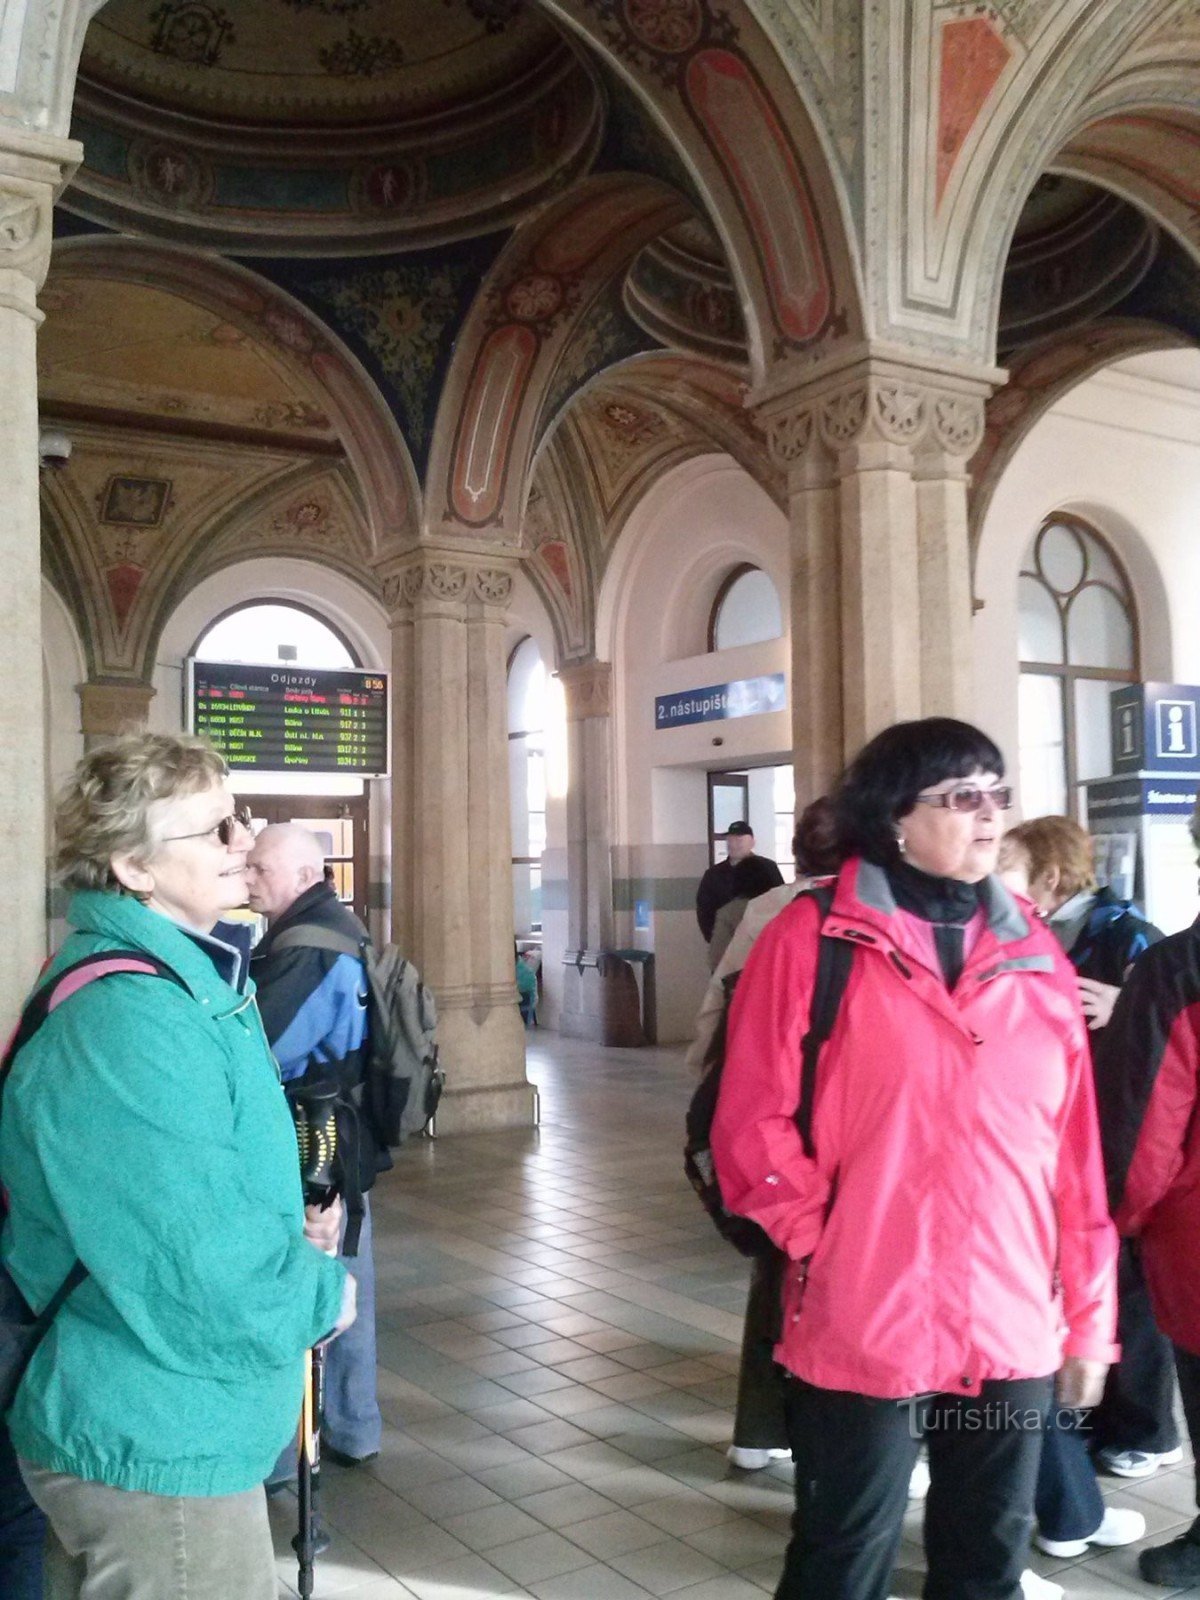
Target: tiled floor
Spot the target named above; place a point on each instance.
(558, 1330)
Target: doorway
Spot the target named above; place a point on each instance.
(765, 797)
(340, 822)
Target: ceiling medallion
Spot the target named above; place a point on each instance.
(191, 31)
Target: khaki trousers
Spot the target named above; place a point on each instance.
(119, 1544)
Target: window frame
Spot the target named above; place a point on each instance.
(735, 575)
(1065, 673)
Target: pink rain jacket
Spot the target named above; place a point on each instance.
(953, 1226)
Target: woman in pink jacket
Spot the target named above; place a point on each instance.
(949, 1241)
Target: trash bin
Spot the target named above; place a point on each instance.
(642, 962)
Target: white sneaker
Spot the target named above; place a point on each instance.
(1136, 1463)
(1119, 1526)
(918, 1483)
(754, 1460)
(1035, 1588)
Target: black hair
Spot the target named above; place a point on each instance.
(883, 781)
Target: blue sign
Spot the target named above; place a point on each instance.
(1155, 727)
(747, 697)
(1112, 799)
(641, 916)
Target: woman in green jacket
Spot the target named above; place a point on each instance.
(145, 1133)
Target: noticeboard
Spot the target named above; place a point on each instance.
(291, 719)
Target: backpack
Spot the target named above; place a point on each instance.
(834, 960)
(21, 1330)
(403, 1080)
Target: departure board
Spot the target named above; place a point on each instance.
(291, 719)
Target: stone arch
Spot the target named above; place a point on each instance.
(365, 425)
(716, 83)
(520, 323)
(1040, 376)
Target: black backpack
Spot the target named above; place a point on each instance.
(834, 960)
(21, 1330)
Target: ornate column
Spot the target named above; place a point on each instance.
(32, 170)
(113, 706)
(451, 852)
(876, 456)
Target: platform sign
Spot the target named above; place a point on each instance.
(745, 697)
(291, 719)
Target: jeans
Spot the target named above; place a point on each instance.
(854, 1455)
(22, 1530)
(119, 1544)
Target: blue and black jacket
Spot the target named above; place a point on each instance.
(1112, 938)
(314, 1007)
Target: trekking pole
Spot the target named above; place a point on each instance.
(316, 1138)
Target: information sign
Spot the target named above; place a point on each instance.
(291, 719)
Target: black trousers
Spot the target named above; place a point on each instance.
(853, 1460)
(759, 1422)
(1187, 1366)
(1137, 1411)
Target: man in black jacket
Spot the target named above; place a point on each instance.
(314, 1009)
(742, 876)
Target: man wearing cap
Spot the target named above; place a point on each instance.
(742, 876)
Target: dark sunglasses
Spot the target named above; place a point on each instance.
(969, 797)
(225, 830)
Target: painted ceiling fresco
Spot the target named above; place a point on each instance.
(334, 62)
(111, 346)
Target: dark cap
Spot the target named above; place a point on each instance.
(739, 828)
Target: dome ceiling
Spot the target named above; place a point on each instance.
(317, 127)
(323, 63)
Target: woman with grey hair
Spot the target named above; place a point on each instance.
(145, 1136)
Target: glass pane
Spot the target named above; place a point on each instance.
(1101, 565)
(262, 633)
(1098, 630)
(1039, 628)
(1042, 759)
(535, 899)
(343, 879)
(335, 833)
(1093, 738)
(728, 804)
(1060, 557)
(537, 833)
(749, 612)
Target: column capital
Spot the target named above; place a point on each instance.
(33, 170)
(437, 576)
(113, 706)
(587, 688)
(877, 400)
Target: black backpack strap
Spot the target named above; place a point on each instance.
(310, 936)
(835, 957)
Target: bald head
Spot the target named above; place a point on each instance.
(286, 860)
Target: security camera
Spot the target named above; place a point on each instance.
(54, 448)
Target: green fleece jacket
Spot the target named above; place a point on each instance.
(145, 1131)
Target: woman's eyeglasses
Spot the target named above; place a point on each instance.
(225, 830)
(969, 797)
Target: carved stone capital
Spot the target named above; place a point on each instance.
(790, 435)
(587, 689)
(33, 170)
(107, 709)
(439, 578)
(956, 422)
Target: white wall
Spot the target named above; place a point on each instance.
(1121, 450)
(692, 528)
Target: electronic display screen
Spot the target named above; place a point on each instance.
(291, 719)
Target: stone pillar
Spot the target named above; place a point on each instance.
(110, 706)
(32, 170)
(587, 688)
(451, 851)
(876, 457)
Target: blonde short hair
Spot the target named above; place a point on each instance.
(1057, 842)
(103, 809)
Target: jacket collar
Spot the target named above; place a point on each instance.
(207, 966)
(863, 892)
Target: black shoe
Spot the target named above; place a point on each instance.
(341, 1459)
(1175, 1565)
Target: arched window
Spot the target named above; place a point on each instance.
(274, 630)
(1078, 638)
(745, 611)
